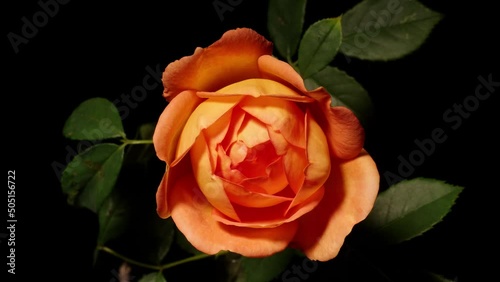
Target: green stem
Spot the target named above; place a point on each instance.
(135, 142)
(154, 267)
(189, 259)
(129, 260)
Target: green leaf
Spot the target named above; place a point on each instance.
(113, 217)
(285, 20)
(345, 91)
(265, 269)
(94, 119)
(319, 45)
(408, 209)
(231, 263)
(149, 237)
(386, 29)
(92, 174)
(433, 277)
(153, 277)
(161, 239)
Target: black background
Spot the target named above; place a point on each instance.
(91, 49)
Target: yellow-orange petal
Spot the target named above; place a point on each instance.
(350, 193)
(274, 182)
(230, 59)
(162, 207)
(215, 134)
(205, 115)
(282, 115)
(171, 175)
(253, 132)
(237, 118)
(243, 197)
(277, 70)
(295, 163)
(195, 220)
(342, 128)
(279, 142)
(170, 124)
(210, 184)
(272, 216)
(258, 87)
(318, 158)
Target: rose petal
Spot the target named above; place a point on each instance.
(318, 157)
(345, 134)
(274, 182)
(350, 193)
(279, 142)
(268, 217)
(237, 118)
(169, 178)
(253, 132)
(210, 184)
(272, 216)
(277, 70)
(230, 59)
(258, 87)
(295, 163)
(207, 113)
(306, 205)
(170, 124)
(225, 163)
(216, 133)
(342, 128)
(237, 154)
(243, 197)
(162, 207)
(195, 220)
(259, 161)
(283, 116)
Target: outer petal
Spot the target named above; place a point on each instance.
(169, 178)
(170, 124)
(162, 207)
(345, 134)
(277, 70)
(258, 87)
(342, 128)
(230, 59)
(194, 219)
(349, 196)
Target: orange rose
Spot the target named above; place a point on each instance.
(256, 162)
